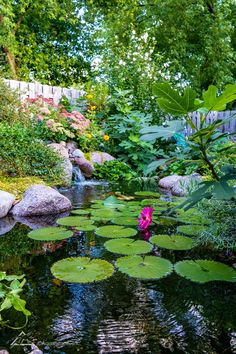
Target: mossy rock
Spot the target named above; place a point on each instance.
(18, 185)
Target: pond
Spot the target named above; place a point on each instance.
(120, 314)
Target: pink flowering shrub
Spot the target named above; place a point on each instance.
(54, 122)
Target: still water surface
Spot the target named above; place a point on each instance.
(118, 315)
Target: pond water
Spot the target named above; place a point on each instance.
(120, 314)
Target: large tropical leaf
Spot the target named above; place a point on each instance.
(115, 231)
(165, 132)
(128, 246)
(50, 234)
(202, 271)
(212, 102)
(172, 102)
(174, 242)
(149, 267)
(82, 270)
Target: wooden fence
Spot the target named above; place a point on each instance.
(32, 90)
(35, 89)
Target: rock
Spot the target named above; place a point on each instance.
(178, 185)
(66, 164)
(100, 157)
(77, 153)
(85, 166)
(6, 224)
(169, 181)
(38, 222)
(60, 149)
(71, 147)
(6, 202)
(35, 350)
(41, 200)
(4, 351)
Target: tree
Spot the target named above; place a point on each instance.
(43, 40)
(186, 42)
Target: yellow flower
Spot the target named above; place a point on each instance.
(89, 96)
(89, 136)
(106, 137)
(93, 108)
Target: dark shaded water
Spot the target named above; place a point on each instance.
(118, 315)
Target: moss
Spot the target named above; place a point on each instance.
(17, 185)
(88, 156)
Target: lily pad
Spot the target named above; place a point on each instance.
(82, 270)
(149, 267)
(105, 213)
(81, 211)
(74, 221)
(151, 201)
(115, 231)
(166, 220)
(128, 246)
(125, 220)
(50, 234)
(112, 202)
(147, 194)
(191, 230)
(174, 242)
(202, 271)
(192, 216)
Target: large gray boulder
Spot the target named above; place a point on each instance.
(41, 200)
(178, 185)
(100, 157)
(6, 224)
(85, 166)
(6, 202)
(66, 164)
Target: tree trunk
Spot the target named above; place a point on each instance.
(11, 62)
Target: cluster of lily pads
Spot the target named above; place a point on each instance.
(119, 219)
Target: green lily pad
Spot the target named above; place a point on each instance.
(202, 271)
(125, 220)
(105, 213)
(82, 270)
(148, 267)
(147, 194)
(128, 246)
(166, 220)
(191, 230)
(115, 231)
(74, 221)
(151, 201)
(81, 211)
(192, 216)
(50, 234)
(113, 202)
(174, 242)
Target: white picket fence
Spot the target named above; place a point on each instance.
(33, 90)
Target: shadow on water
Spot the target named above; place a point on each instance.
(118, 315)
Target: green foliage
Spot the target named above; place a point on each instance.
(202, 271)
(22, 154)
(113, 170)
(10, 105)
(82, 270)
(123, 129)
(148, 267)
(79, 222)
(10, 288)
(173, 242)
(50, 234)
(128, 246)
(191, 230)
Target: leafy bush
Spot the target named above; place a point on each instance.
(113, 170)
(10, 105)
(21, 154)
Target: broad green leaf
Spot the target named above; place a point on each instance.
(164, 132)
(108, 214)
(2, 275)
(115, 231)
(128, 246)
(172, 102)
(191, 230)
(173, 242)
(6, 304)
(82, 270)
(50, 234)
(154, 165)
(125, 220)
(75, 221)
(202, 271)
(148, 267)
(112, 202)
(212, 102)
(19, 304)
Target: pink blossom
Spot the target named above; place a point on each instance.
(145, 218)
(40, 118)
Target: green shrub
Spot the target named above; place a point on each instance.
(113, 170)
(21, 154)
(10, 105)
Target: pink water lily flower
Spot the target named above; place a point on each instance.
(145, 218)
